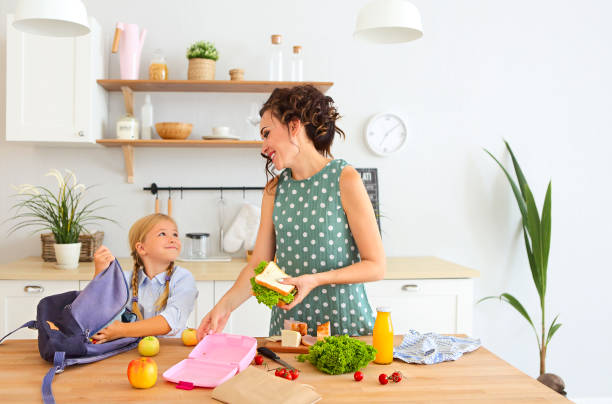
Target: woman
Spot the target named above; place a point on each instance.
(316, 218)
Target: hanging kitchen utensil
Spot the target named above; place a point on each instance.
(221, 211)
(170, 203)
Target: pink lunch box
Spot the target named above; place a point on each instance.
(214, 360)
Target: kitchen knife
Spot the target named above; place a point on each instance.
(269, 354)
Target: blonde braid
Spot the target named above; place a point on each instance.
(160, 303)
(135, 273)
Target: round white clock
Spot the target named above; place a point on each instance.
(386, 133)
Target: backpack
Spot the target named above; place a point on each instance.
(66, 321)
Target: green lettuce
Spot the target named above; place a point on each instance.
(339, 354)
(267, 296)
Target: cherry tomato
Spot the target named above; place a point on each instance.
(396, 377)
(280, 372)
(382, 378)
(294, 373)
(358, 376)
(288, 375)
(258, 359)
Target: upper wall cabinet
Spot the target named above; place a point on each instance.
(51, 89)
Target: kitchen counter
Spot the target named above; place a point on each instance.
(477, 377)
(397, 268)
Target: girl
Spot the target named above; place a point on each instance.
(316, 218)
(162, 295)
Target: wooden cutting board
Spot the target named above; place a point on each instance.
(277, 347)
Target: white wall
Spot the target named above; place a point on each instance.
(534, 73)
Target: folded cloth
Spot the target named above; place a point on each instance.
(243, 229)
(255, 386)
(433, 348)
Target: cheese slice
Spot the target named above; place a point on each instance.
(290, 338)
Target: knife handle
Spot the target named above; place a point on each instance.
(267, 353)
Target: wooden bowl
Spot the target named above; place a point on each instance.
(173, 130)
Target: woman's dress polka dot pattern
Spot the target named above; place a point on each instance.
(313, 235)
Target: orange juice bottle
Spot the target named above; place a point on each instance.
(383, 336)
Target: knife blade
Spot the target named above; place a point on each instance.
(269, 354)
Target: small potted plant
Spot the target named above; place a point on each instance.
(64, 213)
(202, 56)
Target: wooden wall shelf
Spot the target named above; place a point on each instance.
(129, 145)
(215, 86)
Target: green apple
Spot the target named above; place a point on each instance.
(148, 346)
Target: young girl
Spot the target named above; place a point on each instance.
(162, 295)
(316, 218)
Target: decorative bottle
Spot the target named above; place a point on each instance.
(297, 64)
(276, 59)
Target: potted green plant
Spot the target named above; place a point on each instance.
(536, 232)
(64, 213)
(202, 56)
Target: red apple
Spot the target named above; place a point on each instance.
(142, 373)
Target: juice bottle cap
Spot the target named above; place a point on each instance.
(384, 309)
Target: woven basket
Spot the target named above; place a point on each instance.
(89, 245)
(201, 69)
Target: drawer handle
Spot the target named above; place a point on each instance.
(411, 287)
(33, 289)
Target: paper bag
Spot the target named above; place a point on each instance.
(257, 386)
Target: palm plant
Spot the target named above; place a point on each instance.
(64, 213)
(536, 232)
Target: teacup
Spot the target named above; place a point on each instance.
(221, 131)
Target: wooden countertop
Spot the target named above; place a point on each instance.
(34, 268)
(477, 377)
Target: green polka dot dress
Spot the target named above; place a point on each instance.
(313, 235)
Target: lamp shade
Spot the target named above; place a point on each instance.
(388, 21)
(61, 18)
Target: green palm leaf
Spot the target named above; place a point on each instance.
(553, 329)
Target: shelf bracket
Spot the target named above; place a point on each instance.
(128, 156)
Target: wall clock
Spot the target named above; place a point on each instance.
(386, 133)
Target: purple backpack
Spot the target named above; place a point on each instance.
(66, 321)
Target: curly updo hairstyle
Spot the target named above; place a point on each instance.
(315, 110)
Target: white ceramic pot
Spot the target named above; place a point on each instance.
(67, 255)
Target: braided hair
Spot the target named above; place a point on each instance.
(137, 234)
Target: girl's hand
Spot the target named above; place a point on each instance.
(102, 259)
(304, 284)
(111, 332)
(214, 321)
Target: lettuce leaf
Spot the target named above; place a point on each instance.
(267, 296)
(339, 354)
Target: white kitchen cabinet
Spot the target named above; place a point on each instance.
(51, 89)
(251, 318)
(18, 301)
(425, 305)
(205, 302)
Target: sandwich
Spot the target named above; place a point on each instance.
(267, 288)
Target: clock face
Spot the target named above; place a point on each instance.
(386, 133)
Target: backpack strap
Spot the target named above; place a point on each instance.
(29, 324)
(58, 367)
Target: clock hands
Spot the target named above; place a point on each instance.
(387, 133)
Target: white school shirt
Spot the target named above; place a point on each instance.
(181, 298)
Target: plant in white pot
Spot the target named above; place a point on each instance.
(202, 56)
(65, 214)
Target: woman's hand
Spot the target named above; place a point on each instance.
(111, 332)
(102, 259)
(214, 321)
(304, 284)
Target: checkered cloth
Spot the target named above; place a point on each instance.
(433, 348)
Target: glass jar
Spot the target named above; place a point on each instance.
(127, 127)
(197, 245)
(158, 69)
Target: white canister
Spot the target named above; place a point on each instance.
(127, 127)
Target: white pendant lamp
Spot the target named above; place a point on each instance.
(388, 21)
(61, 18)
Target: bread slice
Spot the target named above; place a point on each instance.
(270, 276)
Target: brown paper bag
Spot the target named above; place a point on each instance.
(257, 386)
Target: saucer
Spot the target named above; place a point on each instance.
(213, 137)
